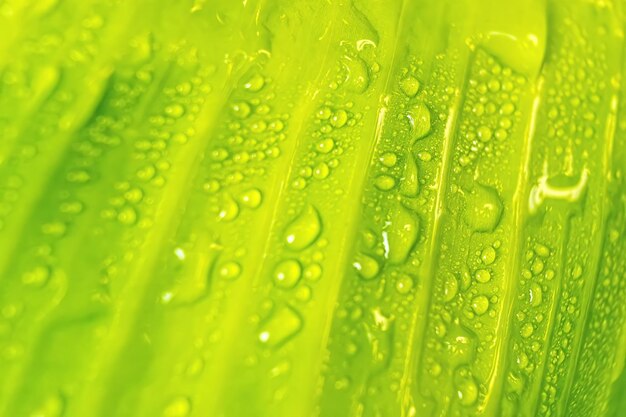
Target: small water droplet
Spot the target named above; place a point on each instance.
(358, 78)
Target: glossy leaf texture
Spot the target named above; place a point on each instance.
(296, 208)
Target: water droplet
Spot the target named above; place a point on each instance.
(313, 272)
(304, 229)
(410, 86)
(358, 78)
(127, 216)
(282, 325)
(467, 391)
(419, 119)
(241, 110)
(287, 273)
(404, 284)
(483, 276)
(229, 270)
(402, 232)
(450, 287)
(488, 255)
(178, 407)
(339, 119)
(542, 250)
(484, 209)
(321, 171)
(484, 133)
(560, 187)
(389, 159)
(527, 330)
(175, 110)
(409, 185)
(251, 198)
(384, 182)
(480, 305)
(367, 266)
(535, 294)
(255, 83)
(324, 146)
(37, 277)
(324, 113)
(229, 209)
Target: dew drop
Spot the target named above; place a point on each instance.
(484, 209)
(480, 305)
(255, 83)
(229, 209)
(467, 391)
(287, 274)
(339, 119)
(488, 255)
(483, 276)
(324, 146)
(402, 233)
(281, 326)
(229, 270)
(409, 184)
(419, 120)
(251, 198)
(304, 229)
(384, 182)
(410, 86)
(366, 266)
(404, 284)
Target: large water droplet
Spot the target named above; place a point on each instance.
(419, 119)
(467, 391)
(287, 273)
(304, 229)
(409, 185)
(401, 232)
(366, 266)
(484, 209)
(282, 325)
(410, 86)
(358, 78)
